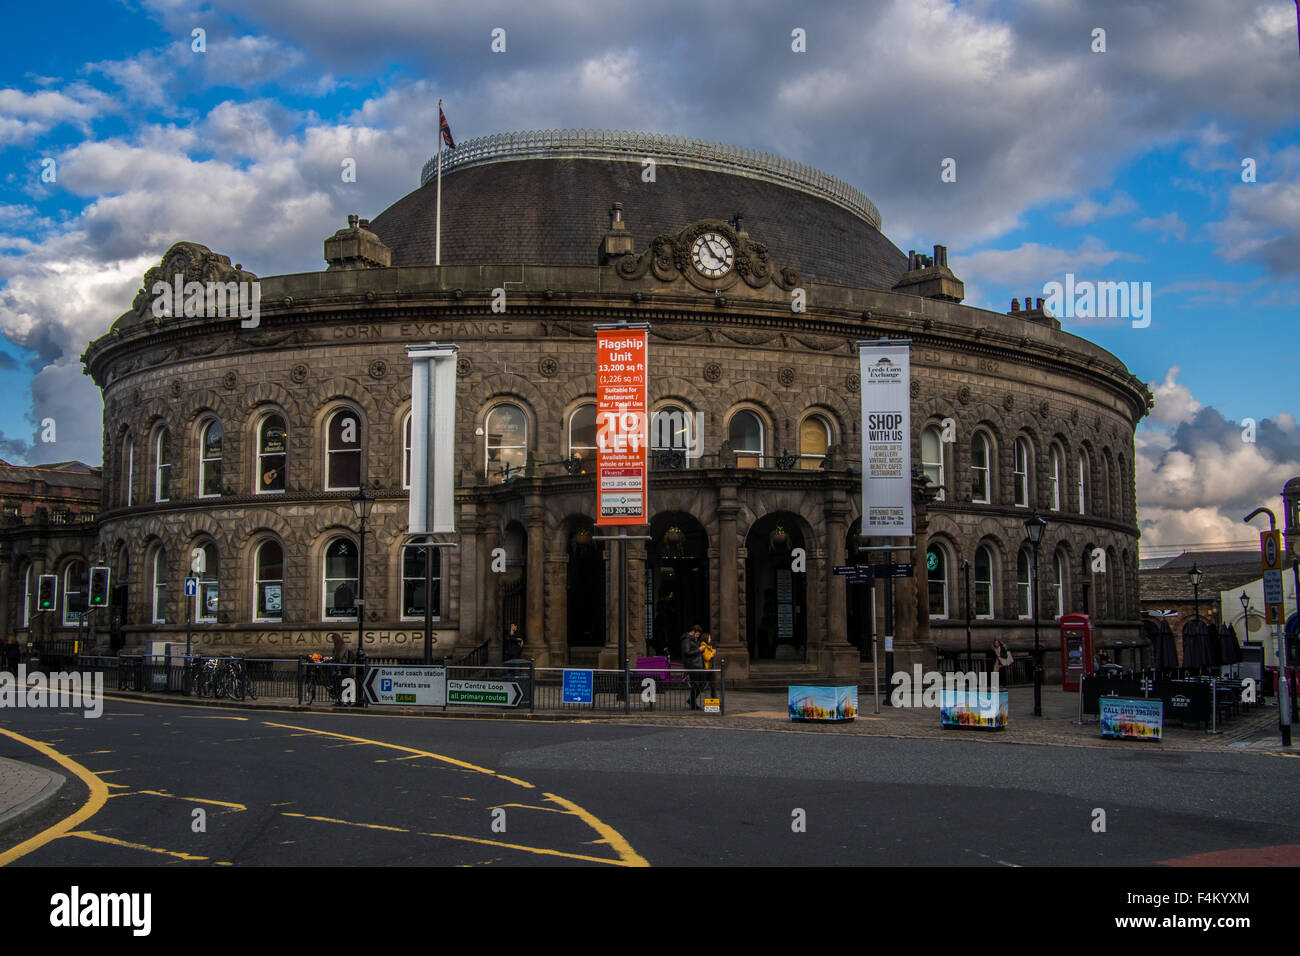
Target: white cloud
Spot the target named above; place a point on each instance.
(1086, 210)
(1174, 402)
(1170, 224)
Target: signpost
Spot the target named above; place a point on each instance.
(578, 686)
(1270, 554)
(191, 591)
(488, 693)
(414, 686)
(1270, 557)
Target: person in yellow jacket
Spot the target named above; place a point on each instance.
(708, 652)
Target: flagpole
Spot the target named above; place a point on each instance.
(437, 217)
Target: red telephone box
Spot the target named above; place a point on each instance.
(1076, 649)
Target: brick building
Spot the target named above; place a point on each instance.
(249, 442)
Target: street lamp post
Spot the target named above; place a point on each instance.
(1245, 615)
(362, 503)
(1195, 575)
(965, 570)
(1034, 528)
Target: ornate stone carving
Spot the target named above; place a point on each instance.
(378, 368)
(177, 388)
(464, 366)
(1044, 409)
(299, 373)
(853, 381)
(194, 263)
(712, 372)
(230, 380)
(549, 367)
(963, 394)
(785, 376)
(669, 257)
(1008, 401)
(914, 389)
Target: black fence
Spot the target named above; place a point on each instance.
(1020, 671)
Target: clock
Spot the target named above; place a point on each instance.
(712, 255)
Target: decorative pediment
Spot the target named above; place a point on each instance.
(670, 257)
(196, 263)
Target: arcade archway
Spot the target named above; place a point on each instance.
(585, 585)
(777, 618)
(677, 581)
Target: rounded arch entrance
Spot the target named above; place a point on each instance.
(677, 581)
(514, 583)
(777, 618)
(584, 584)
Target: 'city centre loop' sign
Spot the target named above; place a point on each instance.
(621, 425)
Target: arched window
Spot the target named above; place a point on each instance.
(1054, 477)
(746, 436)
(272, 452)
(983, 582)
(672, 429)
(340, 581)
(1108, 490)
(268, 582)
(158, 601)
(27, 597)
(932, 457)
(206, 609)
(981, 486)
(162, 465)
(1024, 584)
(343, 451)
(1020, 473)
(406, 451)
(210, 459)
(582, 438)
(505, 442)
(128, 468)
(814, 440)
(74, 593)
(413, 583)
(1082, 481)
(936, 567)
(1056, 594)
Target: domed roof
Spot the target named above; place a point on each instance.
(544, 199)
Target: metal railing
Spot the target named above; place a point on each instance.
(1021, 670)
(591, 143)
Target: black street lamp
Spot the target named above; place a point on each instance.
(1035, 525)
(1195, 575)
(362, 503)
(1245, 615)
(965, 570)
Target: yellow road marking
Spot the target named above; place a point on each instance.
(529, 806)
(215, 803)
(117, 786)
(98, 797)
(410, 750)
(543, 851)
(617, 842)
(209, 717)
(102, 772)
(100, 838)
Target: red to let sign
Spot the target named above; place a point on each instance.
(621, 426)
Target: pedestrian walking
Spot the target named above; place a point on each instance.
(707, 653)
(1002, 660)
(693, 660)
(13, 652)
(514, 647)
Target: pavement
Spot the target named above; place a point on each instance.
(24, 790)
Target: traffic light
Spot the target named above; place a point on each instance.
(99, 587)
(45, 590)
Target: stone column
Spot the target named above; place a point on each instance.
(471, 579)
(491, 585)
(535, 600)
(838, 657)
(557, 612)
(730, 645)
(912, 643)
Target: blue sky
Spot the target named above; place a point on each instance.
(1116, 165)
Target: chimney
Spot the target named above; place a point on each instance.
(356, 248)
(1015, 305)
(618, 241)
(352, 221)
(930, 278)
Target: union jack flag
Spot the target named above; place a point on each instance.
(445, 129)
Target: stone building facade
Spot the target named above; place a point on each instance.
(248, 441)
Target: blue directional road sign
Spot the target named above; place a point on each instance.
(578, 686)
(191, 587)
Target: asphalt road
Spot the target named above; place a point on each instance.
(198, 786)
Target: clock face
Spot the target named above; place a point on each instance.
(712, 255)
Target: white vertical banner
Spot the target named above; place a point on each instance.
(433, 438)
(886, 438)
